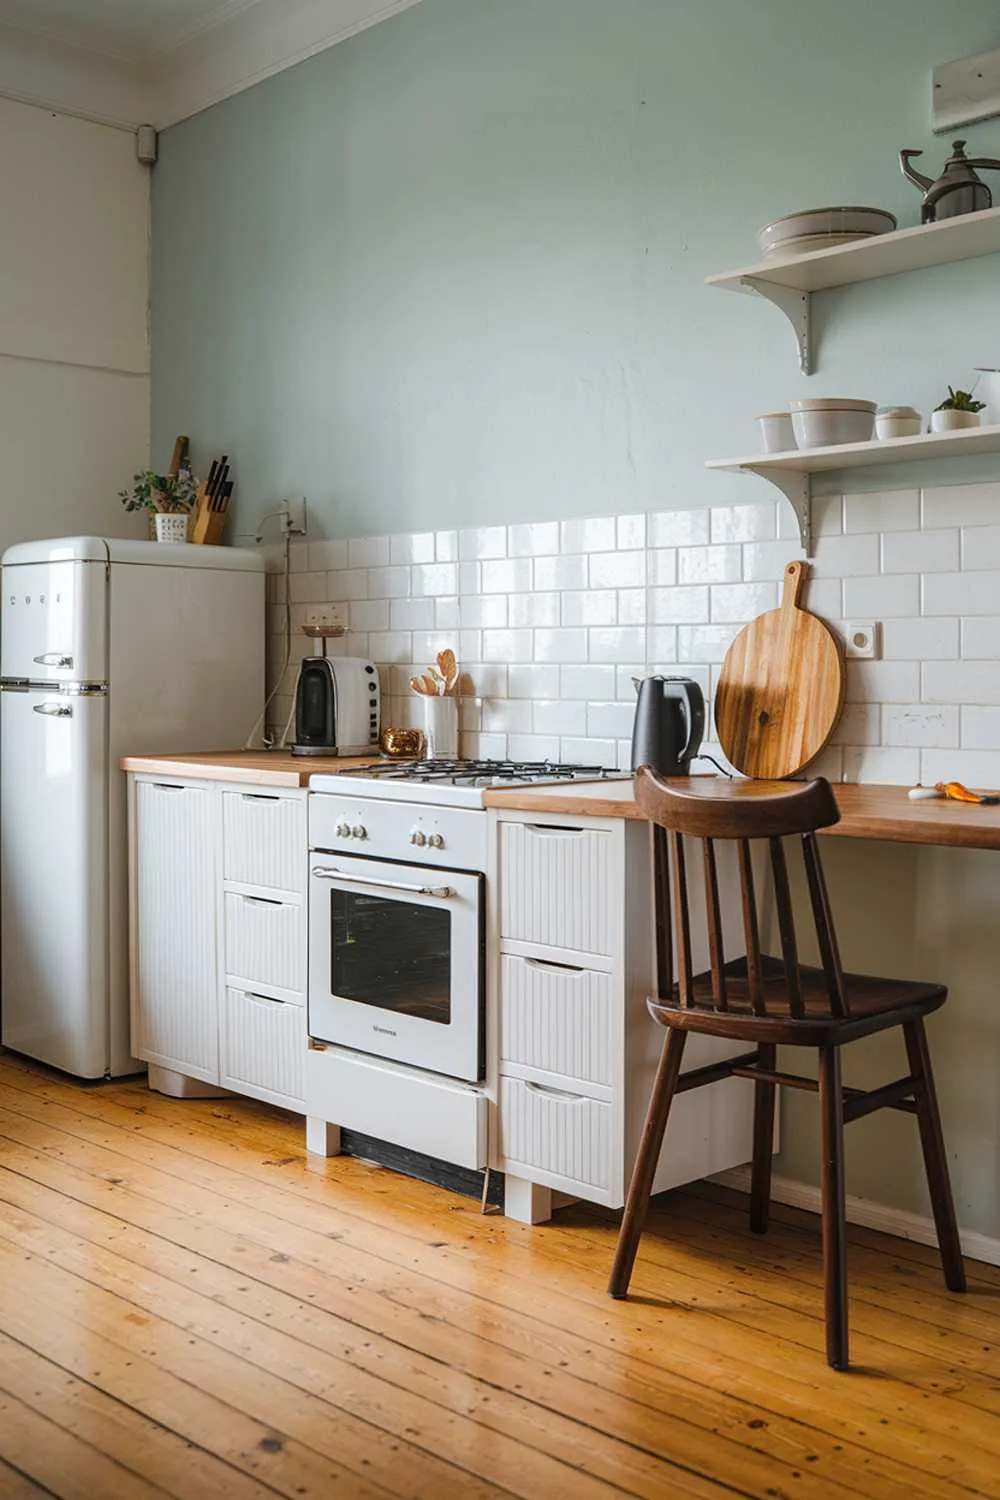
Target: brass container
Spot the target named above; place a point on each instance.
(402, 744)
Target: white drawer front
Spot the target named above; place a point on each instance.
(556, 887)
(558, 1019)
(266, 941)
(569, 1135)
(264, 840)
(263, 1046)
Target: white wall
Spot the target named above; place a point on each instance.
(74, 352)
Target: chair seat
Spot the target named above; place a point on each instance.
(873, 1005)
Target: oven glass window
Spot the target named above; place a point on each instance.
(393, 954)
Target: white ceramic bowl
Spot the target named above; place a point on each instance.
(827, 427)
(811, 221)
(954, 421)
(831, 403)
(776, 432)
(897, 422)
(803, 244)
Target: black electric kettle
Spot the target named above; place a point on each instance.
(669, 724)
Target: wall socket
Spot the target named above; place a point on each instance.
(864, 640)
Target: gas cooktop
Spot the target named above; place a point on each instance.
(457, 781)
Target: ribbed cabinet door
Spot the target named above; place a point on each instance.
(556, 887)
(265, 941)
(559, 1019)
(265, 840)
(176, 977)
(561, 1134)
(264, 1047)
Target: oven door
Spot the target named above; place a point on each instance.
(396, 962)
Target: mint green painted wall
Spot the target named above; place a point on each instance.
(450, 271)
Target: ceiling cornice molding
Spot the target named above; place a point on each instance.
(43, 71)
(240, 43)
(256, 42)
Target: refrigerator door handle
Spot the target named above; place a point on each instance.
(56, 710)
(53, 659)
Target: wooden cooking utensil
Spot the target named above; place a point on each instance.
(448, 668)
(781, 689)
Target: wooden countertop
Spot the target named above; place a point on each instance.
(253, 767)
(866, 811)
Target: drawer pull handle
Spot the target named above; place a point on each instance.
(561, 1094)
(260, 901)
(167, 786)
(261, 999)
(547, 963)
(554, 830)
(259, 797)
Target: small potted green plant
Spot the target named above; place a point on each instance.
(168, 497)
(959, 410)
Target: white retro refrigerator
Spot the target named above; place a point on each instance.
(108, 648)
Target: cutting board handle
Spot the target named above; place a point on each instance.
(796, 574)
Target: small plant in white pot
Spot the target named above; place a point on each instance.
(959, 410)
(168, 497)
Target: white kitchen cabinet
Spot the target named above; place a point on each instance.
(219, 936)
(574, 1046)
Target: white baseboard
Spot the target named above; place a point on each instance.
(872, 1215)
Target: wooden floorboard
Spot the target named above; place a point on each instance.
(193, 1307)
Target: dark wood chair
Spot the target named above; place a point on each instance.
(771, 1002)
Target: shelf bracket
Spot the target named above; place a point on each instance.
(796, 487)
(795, 306)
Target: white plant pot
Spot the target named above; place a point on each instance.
(952, 421)
(441, 727)
(171, 527)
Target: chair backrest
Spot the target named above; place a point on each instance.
(744, 811)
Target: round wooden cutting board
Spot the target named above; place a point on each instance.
(781, 689)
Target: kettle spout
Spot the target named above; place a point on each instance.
(910, 173)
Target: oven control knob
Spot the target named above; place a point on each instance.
(418, 838)
(343, 830)
(359, 831)
(436, 840)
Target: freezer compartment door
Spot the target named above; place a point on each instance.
(54, 622)
(54, 879)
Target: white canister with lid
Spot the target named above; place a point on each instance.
(897, 422)
(776, 432)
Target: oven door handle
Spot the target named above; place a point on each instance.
(440, 891)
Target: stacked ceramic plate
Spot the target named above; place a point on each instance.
(822, 229)
(825, 421)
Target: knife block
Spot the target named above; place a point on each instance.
(207, 525)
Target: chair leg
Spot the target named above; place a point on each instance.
(935, 1159)
(831, 1103)
(637, 1202)
(763, 1142)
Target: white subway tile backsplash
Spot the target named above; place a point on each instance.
(483, 541)
(678, 606)
(680, 528)
(920, 640)
(740, 602)
(534, 539)
(592, 534)
(547, 616)
(368, 552)
(889, 510)
(898, 594)
(743, 523)
(962, 593)
(709, 564)
(918, 725)
(981, 637)
(621, 643)
(617, 570)
(962, 505)
(980, 547)
(561, 572)
(561, 645)
(534, 609)
(919, 551)
(590, 606)
(533, 681)
(961, 682)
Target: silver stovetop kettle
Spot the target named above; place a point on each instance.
(958, 190)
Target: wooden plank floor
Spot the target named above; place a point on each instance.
(189, 1306)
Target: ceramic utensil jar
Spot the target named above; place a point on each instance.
(441, 726)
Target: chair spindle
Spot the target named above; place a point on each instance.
(826, 933)
(716, 946)
(751, 932)
(661, 897)
(682, 922)
(786, 926)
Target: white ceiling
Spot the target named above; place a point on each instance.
(135, 30)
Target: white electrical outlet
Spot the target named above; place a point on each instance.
(294, 510)
(864, 640)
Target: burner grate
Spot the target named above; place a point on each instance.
(480, 772)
